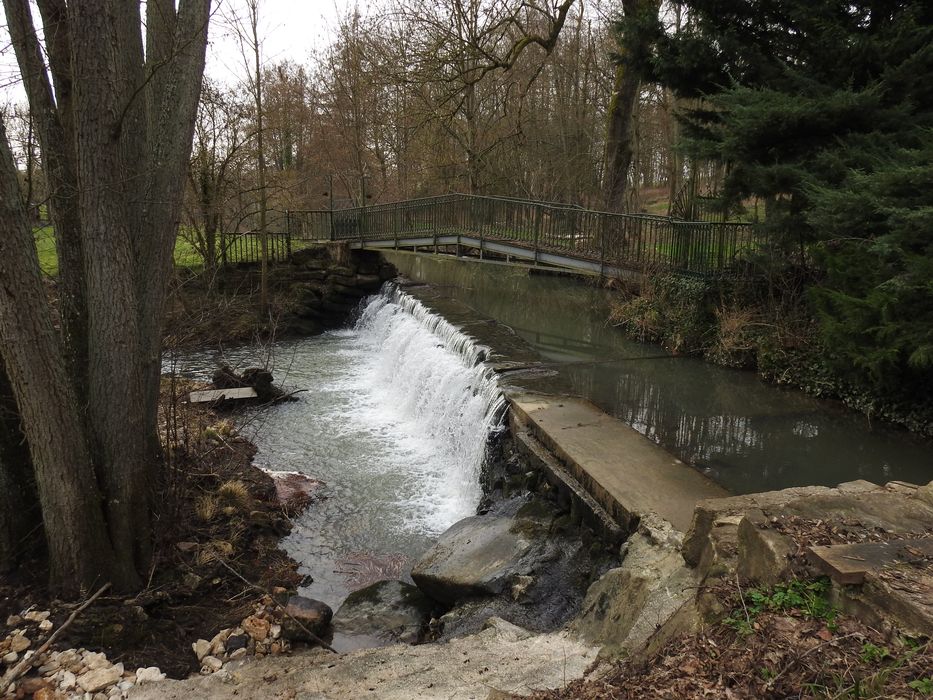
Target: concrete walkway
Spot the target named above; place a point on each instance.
(626, 473)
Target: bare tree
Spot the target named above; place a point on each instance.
(115, 135)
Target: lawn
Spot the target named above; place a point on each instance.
(185, 253)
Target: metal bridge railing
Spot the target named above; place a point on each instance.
(626, 240)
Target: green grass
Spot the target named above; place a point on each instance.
(45, 247)
(185, 254)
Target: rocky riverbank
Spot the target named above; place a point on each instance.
(319, 288)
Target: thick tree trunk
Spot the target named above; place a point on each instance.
(122, 138)
(80, 554)
(19, 507)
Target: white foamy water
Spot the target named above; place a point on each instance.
(395, 421)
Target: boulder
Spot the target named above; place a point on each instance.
(305, 617)
(387, 611)
(483, 555)
(764, 554)
(630, 604)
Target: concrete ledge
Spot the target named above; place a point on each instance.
(627, 474)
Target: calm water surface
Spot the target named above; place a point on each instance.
(747, 435)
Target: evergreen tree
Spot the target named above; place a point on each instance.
(825, 111)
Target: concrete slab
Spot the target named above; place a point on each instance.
(624, 471)
(848, 563)
(212, 395)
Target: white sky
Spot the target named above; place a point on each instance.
(289, 29)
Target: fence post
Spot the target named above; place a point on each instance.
(537, 233)
(288, 233)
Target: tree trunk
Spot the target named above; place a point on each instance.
(621, 117)
(18, 501)
(80, 555)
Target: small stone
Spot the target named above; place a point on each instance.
(97, 679)
(211, 664)
(236, 641)
(275, 648)
(48, 667)
(30, 686)
(10, 658)
(46, 625)
(238, 654)
(187, 546)
(150, 674)
(96, 661)
(68, 680)
(36, 616)
(125, 685)
(20, 642)
(46, 694)
(218, 641)
(304, 615)
(14, 621)
(275, 631)
(201, 648)
(256, 627)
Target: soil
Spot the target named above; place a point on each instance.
(215, 509)
(786, 655)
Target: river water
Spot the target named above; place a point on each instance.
(395, 423)
(747, 435)
(399, 410)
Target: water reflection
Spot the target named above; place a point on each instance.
(745, 434)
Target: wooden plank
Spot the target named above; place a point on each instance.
(212, 395)
(848, 563)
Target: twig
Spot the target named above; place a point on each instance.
(770, 683)
(311, 634)
(742, 598)
(26, 663)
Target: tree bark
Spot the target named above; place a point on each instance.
(620, 135)
(80, 554)
(18, 501)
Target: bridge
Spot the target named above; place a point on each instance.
(535, 233)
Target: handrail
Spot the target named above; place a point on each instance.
(543, 229)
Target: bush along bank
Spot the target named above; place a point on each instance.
(772, 327)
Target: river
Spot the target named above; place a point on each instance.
(399, 408)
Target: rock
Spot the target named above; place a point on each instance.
(19, 642)
(150, 674)
(211, 664)
(275, 631)
(256, 627)
(10, 658)
(763, 553)
(33, 685)
(201, 648)
(187, 547)
(96, 661)
(218, 642)
(14, 621)
(480, 555)
(37, 616)
(311, 614)
(630, 604)
(238, 654)
(390, 611)
(68, 680)
(46, 693)
(236, 641)
(46, 625)
(99, 678)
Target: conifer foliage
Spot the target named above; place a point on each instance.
(825, 111)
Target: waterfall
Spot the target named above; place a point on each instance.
(429, 377)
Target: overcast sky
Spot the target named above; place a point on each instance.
(289, 29)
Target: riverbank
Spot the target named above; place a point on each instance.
(221, 519)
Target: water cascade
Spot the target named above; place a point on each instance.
(394, 419)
